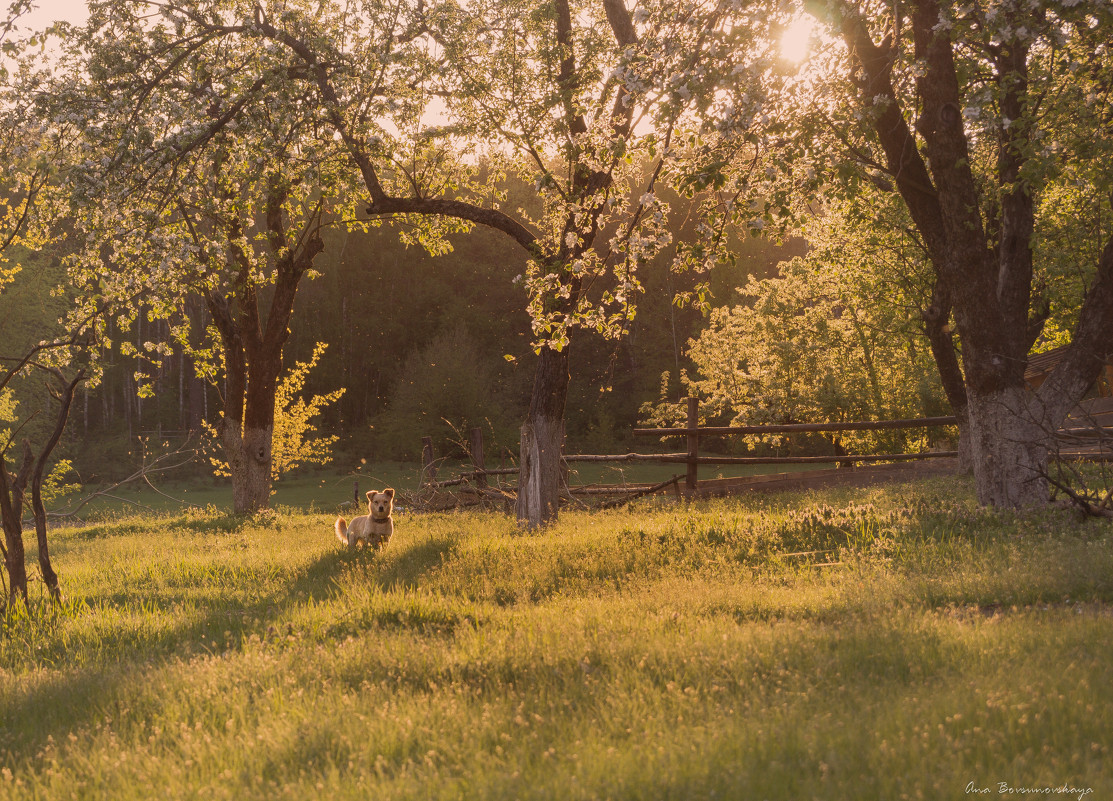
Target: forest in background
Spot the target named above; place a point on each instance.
(444, 346)
(599, 199)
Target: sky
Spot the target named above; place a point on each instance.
(49, 11)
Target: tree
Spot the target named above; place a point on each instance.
(30, 151)
(32, 471)
(560, 88)
(973, 113)
(833, 337)
(177, 202)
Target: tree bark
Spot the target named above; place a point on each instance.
(982, 260)
(15, 559)
(11, 515)
(1009, 440)
(49, 576)
(248, 424)
(253, 352)
(542, 438)
(937, 317)
(249, 462)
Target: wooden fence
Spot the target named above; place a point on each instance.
(477, 478)
(692, 433)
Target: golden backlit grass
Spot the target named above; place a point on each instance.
(883, 644)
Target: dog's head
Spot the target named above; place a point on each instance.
(381, 504)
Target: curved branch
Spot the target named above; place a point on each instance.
(462, 210)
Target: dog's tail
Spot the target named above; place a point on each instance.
(342, 530)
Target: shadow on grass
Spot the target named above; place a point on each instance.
(209, 524)
(416, 561)
(394, 568)
(72, 696)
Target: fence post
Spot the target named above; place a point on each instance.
(478, 458)
(428, 469)
(693, 444)
(355, 492)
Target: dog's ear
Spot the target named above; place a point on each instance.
(369, 494)
(388, 492)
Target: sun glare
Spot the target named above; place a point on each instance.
(796, 40)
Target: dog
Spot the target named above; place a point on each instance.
(375, 528)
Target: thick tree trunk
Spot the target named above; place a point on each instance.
(982, 261)
(248, 424)
(539, 472)
(542, 439)
(1009, 449)
(249, 462)
(253, 349)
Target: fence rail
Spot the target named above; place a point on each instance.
(799, 428)
(692, 431)
(691, 457)
(674, 458)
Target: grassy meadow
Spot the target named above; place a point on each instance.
(310, 490)
(889, 643)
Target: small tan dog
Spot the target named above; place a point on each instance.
(375, 528)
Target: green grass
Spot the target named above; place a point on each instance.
(328, 489)
(850, 644)
(308, 490)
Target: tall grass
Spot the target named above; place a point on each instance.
(892, 643)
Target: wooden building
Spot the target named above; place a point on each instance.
(1088, 432)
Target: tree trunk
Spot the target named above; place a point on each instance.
(249, 462)
(248, 424)
(65, 402)
(937, 328)
(15, 560)
(1009, 449)
(982, 261)
(16, 564)
(542, 438)
(50, 577)
(11, 513)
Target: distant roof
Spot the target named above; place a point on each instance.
(1040, 364)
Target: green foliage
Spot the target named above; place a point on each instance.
(57, 483)
(295, 442)
(834, 337)
(672, 652)
(7, 412)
